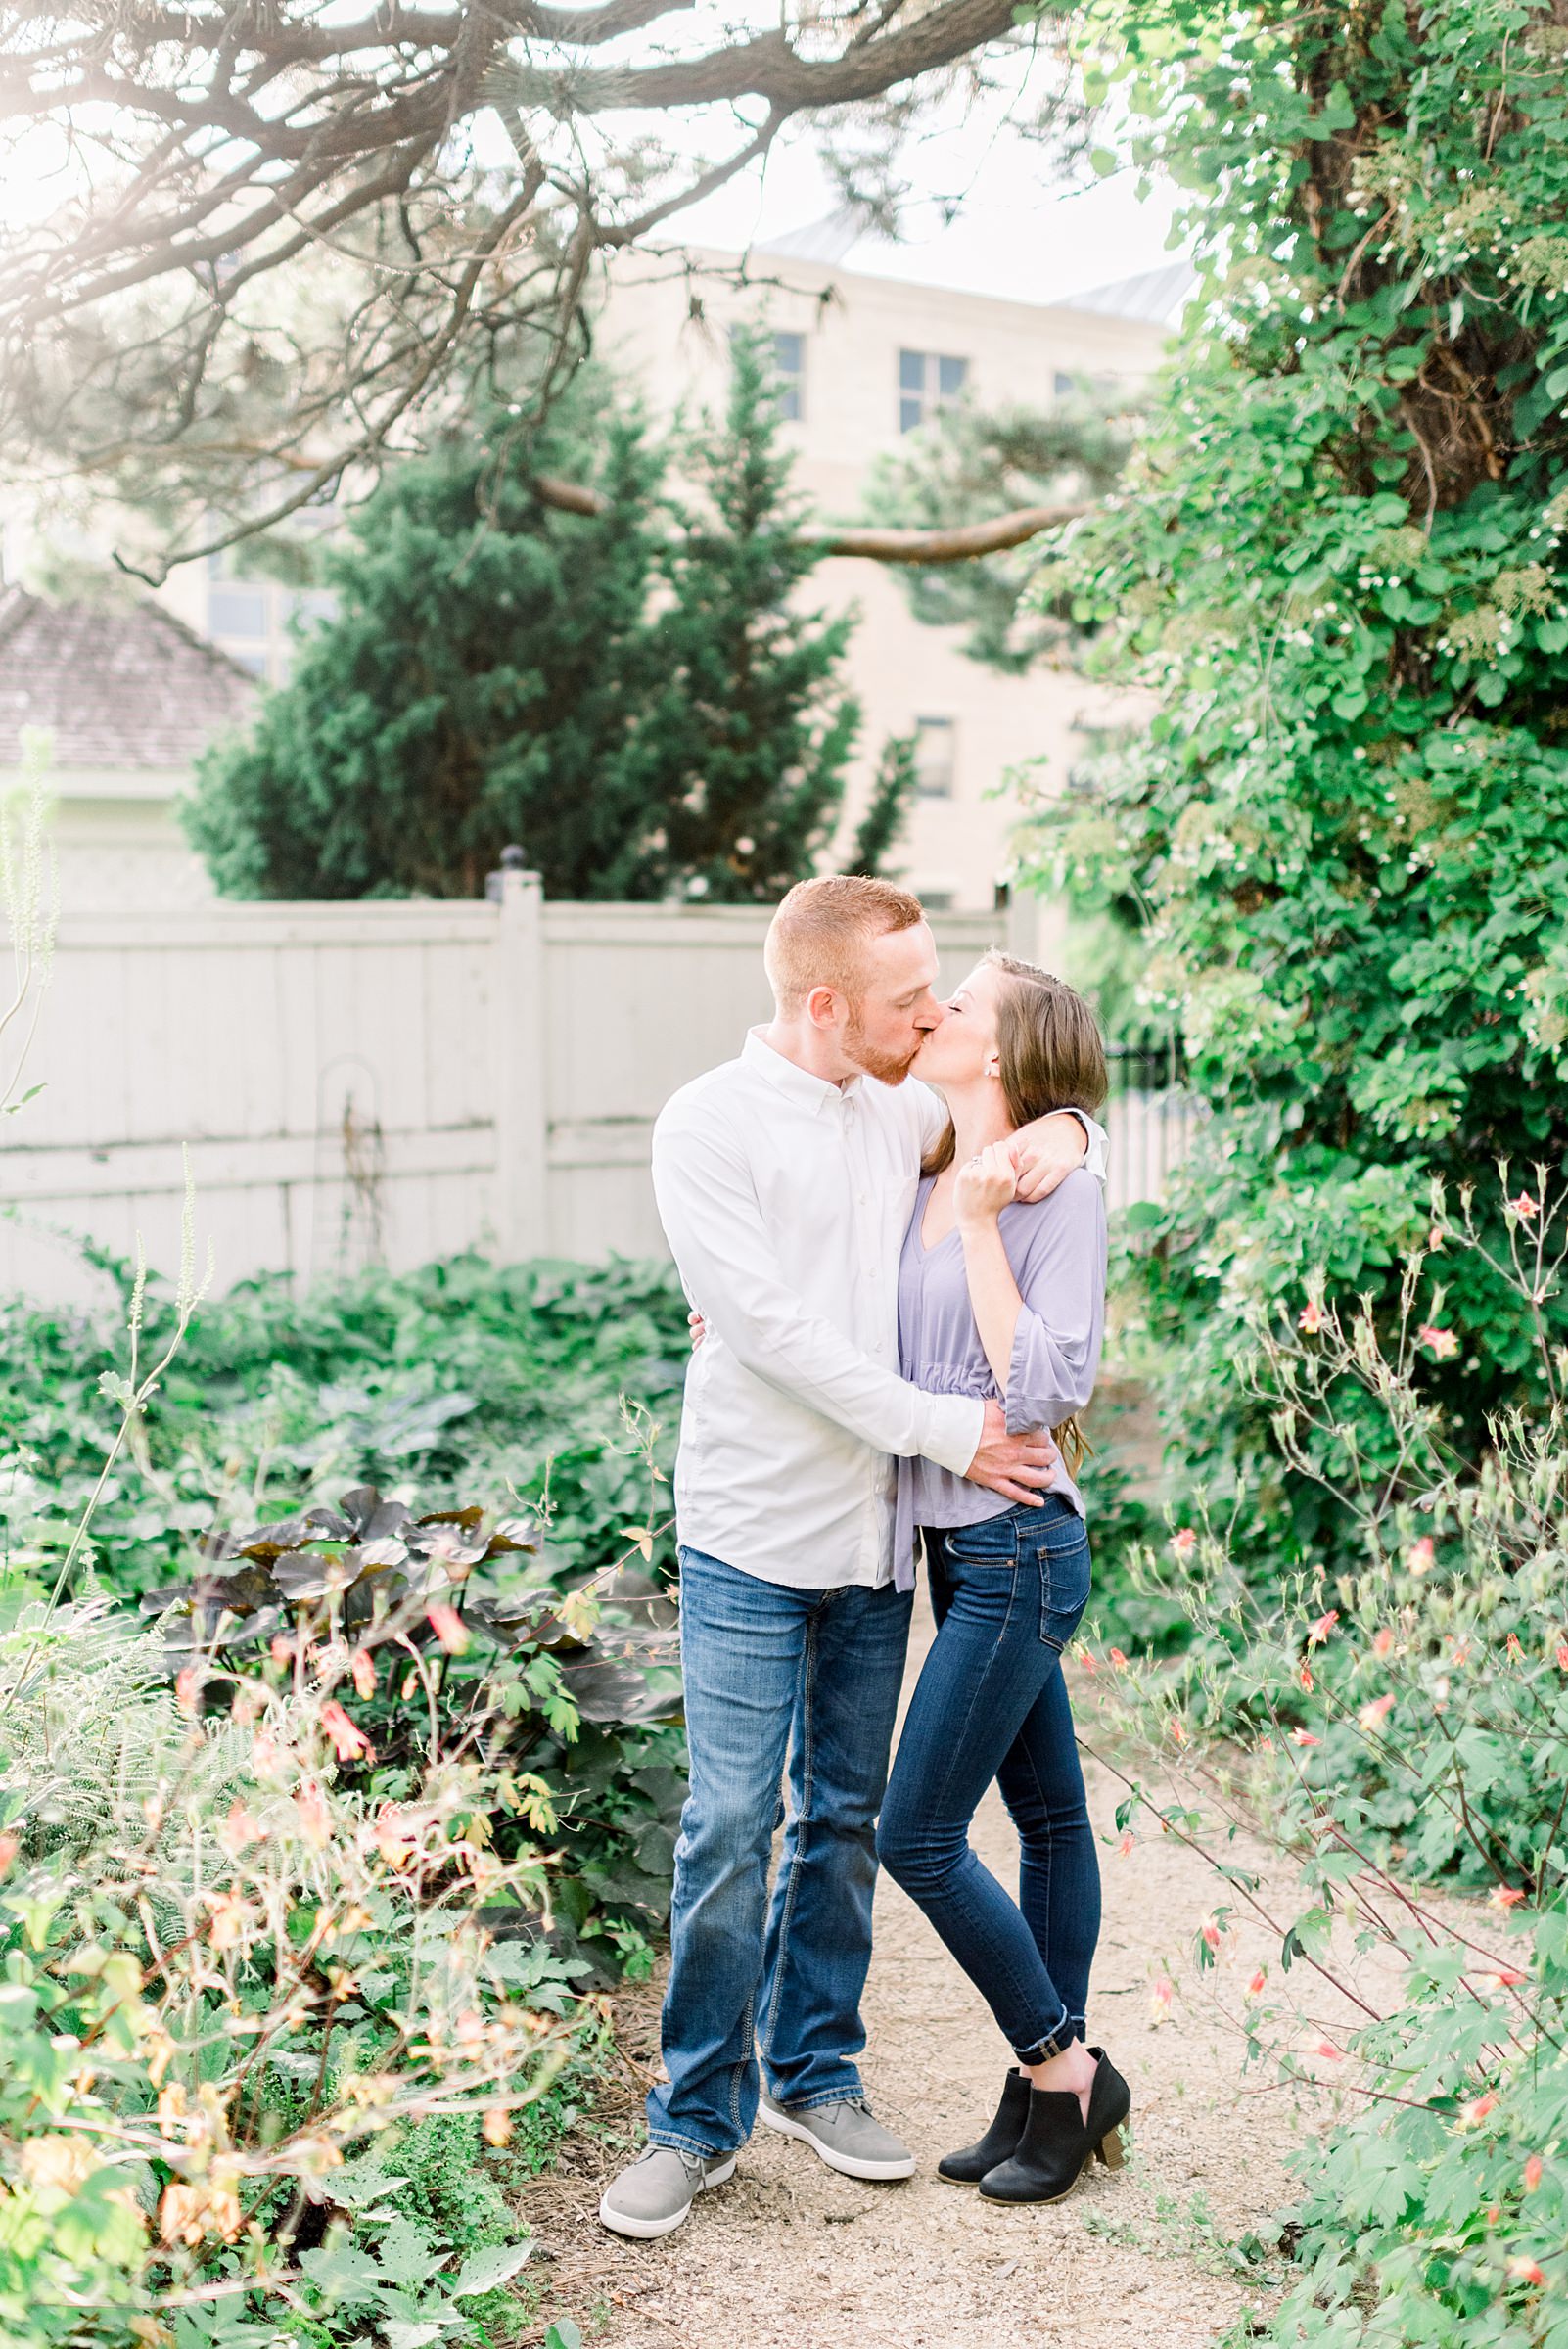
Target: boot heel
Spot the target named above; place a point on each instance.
(1110, 2150)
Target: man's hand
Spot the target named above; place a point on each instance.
(1016, 1466)
(1046, 1152)
(698, 1327)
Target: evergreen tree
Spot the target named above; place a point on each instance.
(646, 713)
(751, 726)
(477, 685)
(970, 463)
(886, 810)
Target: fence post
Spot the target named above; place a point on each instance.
(522, 1212)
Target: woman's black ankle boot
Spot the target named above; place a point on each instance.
(968, 2166)
(1110, 2102)
(1058, 2145)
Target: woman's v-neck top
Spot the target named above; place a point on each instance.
(1056, 1248)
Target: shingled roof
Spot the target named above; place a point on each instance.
(119, 686)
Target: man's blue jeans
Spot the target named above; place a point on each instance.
(990, 1703)
(774, 1674)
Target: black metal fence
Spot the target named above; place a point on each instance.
(1150, 1116)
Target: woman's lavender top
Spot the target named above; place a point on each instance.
(1056, 1248)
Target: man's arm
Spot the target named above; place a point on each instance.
(1048, 1151)
(708, 1206)
(709, 1209)
(1045, 1152)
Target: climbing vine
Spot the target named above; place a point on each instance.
(1338, 561)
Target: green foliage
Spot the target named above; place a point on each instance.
(1399, 1719)
(741, 758)
(968, 464)
(1437, 2214)
(886, 810)
(632, 695)
(1418, 1695)
(1338, 561)
(462, 1376)
(230, 1522)
(457, 1634)
(231, 2007)
(475, 685)
(270, 1964)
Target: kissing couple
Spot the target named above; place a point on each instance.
(889, 1213)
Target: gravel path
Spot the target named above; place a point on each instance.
(791, 2253)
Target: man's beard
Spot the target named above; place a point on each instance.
(889, 1068)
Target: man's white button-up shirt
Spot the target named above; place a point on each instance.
(785, 1200)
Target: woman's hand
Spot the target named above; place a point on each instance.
(698, 1327)
(986, 1184)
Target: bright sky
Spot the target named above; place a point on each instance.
(1017, 232)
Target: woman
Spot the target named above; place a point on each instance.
(1000, 1299)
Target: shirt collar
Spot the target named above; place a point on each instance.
(815, 1094)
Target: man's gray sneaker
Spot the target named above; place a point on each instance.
(654, 2195)
(847, 2136)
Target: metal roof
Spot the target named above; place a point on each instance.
(1155, 297)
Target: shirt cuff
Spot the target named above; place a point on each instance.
(1096, 1156)
(951, 1429)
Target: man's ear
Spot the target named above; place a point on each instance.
(822, 1008)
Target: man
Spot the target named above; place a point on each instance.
(785, 1182)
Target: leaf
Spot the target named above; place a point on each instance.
(485, 2271)
(1144, 1215)
(359, 2184)
(517, 1533)
(370, 1518)
(407, 2253)
(343, 2274)
(292, 1533)
(118, 1389)
(607, 1690)
(313, 1573)
(400, 2333)
(562, 2335)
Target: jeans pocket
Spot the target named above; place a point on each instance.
(992, 1541)
(1063, 1557)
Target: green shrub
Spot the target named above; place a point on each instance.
(518, 1374)
(459, 1377)
(230, 1983)
(1338, 562)
(1398, 1718)
(455, 1634)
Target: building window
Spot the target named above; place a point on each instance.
(928, 380)
(784, 356)
(937, 900)
(1063, 386)
(789, 368)
(248, 617)
(935, 746)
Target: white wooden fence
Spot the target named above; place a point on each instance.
(398, 1080)
(364, 1081)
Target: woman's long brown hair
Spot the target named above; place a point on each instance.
(1050, 1056)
